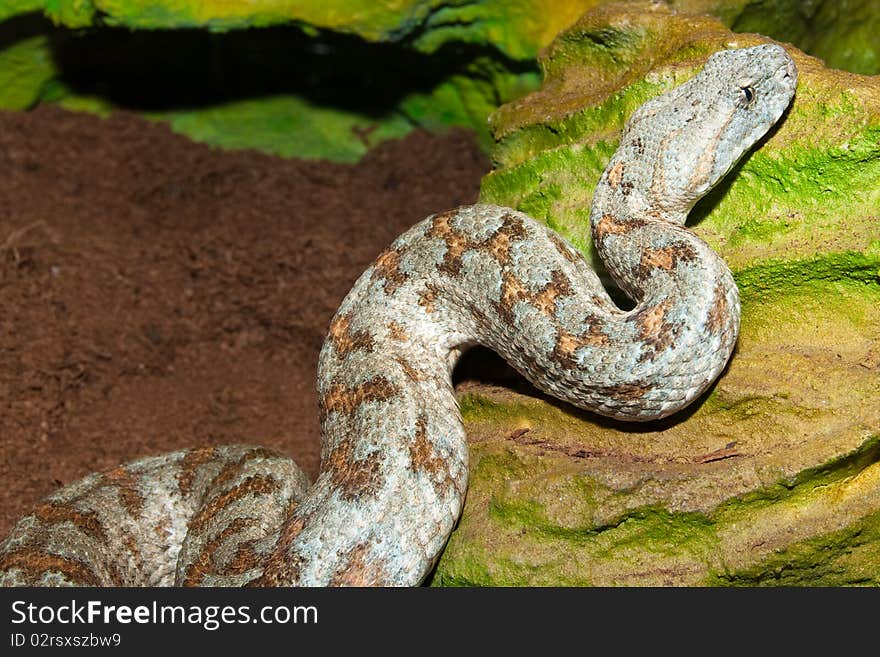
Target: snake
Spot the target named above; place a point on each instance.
(394, 456)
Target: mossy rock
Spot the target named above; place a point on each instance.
(437, 63)
(773, 477)
(518, 29)
(419, 62)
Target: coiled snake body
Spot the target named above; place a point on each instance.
(394, 456)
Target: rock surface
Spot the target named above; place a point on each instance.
(387, 65)
(771, 478)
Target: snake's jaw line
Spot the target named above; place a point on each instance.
(726, 108)
(394, 453)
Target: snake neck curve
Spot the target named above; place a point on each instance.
(394, 451)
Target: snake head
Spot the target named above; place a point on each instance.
(707, 124)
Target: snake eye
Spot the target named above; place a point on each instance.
(748, 93)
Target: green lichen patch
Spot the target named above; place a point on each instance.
(288, 126)
(26, 64)
(597, 72)
(843, 34)
(14, 8)
(847, 557)
(285, 90)
(452, 64)
(503, 39)
(518, 29)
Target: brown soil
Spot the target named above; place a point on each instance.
(160, 294)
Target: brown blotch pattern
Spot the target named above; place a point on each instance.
(36, 562)
(359, 569)
(132, 548)
(397, 332)
(189, 465)
(718, 312)
(245, 559)
(567, 343)
(428, 297)
(230, 470)
(344, 399)
(282, 566)
(498, 244)
(514, 291)
(346, 341)
(279, 571)
(127, 484)
(161, 528)
(654, 330)
(354, 478)
(204, 563)
(615, 175)
(566, 251)
(456, 243)
(85, 521)
(423, 458)
(412, 373)
(626, 391)
(255, 485)
(387, 268)
(608, 224)
(666, 258)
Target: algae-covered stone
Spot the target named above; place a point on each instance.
(843, 34)
(773, 477)
(25, 63)
(517, 28)
(470, 56)
(460, 61)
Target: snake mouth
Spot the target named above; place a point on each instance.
(787, 74)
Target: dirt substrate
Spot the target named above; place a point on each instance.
(160, 294)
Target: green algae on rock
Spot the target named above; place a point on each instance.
(517, 28)
(504, 37)
(843, 34)
(25, 66)
(471, 58)
(774, 476)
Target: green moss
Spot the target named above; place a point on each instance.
(837, 559)
(278, 90)
(800, 488)
(24, 70)
(504, 37)
(690, 539)
(582, 128)
(862, 270)
(844, 34)
(823, 560)
(498, 467)
(476, 408)
(26, 66)
(12, 8)
(287, 126)
(428, 24)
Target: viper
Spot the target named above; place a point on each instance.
(394, 453)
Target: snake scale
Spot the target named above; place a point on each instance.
(394, 453)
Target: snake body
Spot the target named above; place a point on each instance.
(394, 454)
